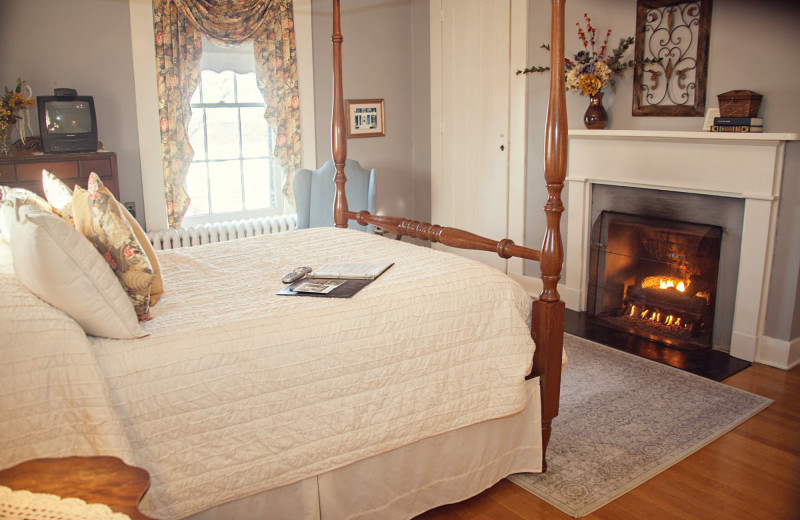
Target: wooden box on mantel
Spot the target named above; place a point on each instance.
(739, 103)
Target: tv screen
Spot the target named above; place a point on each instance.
(68, 117)
(67, 123)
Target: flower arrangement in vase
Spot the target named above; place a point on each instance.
(591, 70)
(13, 107)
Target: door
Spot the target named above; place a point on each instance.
(470, 75)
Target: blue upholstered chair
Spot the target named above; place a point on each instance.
(314, 191)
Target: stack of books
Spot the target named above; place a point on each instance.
(738, 124)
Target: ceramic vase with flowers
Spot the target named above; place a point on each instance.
(14, 107)
(591, 70)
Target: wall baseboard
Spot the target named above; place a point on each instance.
(778, 353)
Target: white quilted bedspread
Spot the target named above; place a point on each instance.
(237, 389)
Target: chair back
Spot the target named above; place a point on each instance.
(314, 191)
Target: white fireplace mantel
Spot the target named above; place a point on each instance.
(745, 166)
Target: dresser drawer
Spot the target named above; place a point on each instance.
(102, 167)
(33, 172)
(7, 175)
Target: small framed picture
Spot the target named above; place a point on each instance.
(365, 118)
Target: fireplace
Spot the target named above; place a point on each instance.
(746, 168)
(655, 278)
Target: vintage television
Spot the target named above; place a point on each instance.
(67, 122)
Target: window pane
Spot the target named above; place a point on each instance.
(197, 188)
(217, 86)
(226, 186)
(197, 134)
(196, 97)
(257, 183)
(247, 87)
(255, 142)
(223, 133)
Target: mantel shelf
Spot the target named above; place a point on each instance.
(671, 134)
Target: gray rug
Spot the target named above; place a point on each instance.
(623, 420)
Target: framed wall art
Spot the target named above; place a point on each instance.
(365, 118)
(677, 32)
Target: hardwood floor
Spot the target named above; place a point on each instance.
(752, 472)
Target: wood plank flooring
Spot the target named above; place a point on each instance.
(753, 472)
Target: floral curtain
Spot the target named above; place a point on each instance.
(178, 51)
(276, 61)
(179, 28)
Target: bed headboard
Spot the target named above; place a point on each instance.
(551, 255)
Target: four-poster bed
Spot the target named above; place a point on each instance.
(423, 389)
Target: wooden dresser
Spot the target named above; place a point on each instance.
(24, 169)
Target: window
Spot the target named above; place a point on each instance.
(233, 174)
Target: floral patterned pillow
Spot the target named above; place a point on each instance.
(157, 289)
(58, 194)
(98, 217)
(60, 198)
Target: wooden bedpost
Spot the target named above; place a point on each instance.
(338, 135)
(548, 310)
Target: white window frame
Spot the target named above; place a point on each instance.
(198, 110)
(144, 71)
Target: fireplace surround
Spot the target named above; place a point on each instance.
(746, 167)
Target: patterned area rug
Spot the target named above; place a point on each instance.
(623, 420)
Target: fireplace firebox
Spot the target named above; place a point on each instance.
(655, 278)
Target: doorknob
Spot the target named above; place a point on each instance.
(502, 147)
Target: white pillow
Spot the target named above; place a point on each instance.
(13, 198)
(61, 266)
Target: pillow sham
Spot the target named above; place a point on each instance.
(12, 199)
(98, 218)
(63, 268)
(58, 194)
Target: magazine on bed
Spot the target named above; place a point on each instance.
(337, 279)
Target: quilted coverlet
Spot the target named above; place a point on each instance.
(236, 389)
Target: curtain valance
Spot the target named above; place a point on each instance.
(230, 21)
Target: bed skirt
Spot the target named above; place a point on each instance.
(408, 481)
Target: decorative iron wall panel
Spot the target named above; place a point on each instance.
(677, 32)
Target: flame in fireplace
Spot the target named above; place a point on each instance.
(665, 282)
(657, 317)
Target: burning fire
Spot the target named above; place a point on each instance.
(657, 317)
(665, 282)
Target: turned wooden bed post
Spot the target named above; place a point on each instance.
(338, 135)
(548, 310)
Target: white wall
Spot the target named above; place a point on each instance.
(85, 45)
(753, 46)
(376, 64)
